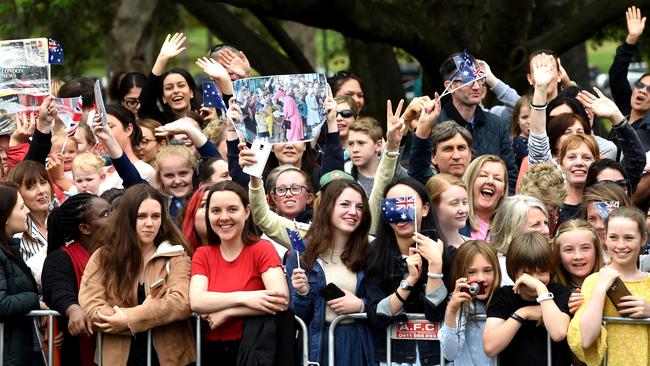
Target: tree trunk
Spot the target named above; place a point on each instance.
(377, 66)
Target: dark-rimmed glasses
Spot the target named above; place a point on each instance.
(282, 191)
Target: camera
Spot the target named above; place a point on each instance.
(475, 288)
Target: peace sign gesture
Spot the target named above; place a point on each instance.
(395, 125)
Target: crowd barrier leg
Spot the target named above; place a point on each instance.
(50, 339)
(389, 351)
(198, 340)
(305, 342)
(2, 344)
(149, 346)
(100, 349)
(605, 354)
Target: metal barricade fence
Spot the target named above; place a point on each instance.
(331, 339)
(301, 323)
(50, 314)
(621, 320)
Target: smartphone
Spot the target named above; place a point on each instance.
(155, 286)
(331, 292)
(617, 291)
(262, 150)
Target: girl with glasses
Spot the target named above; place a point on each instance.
(129, 91)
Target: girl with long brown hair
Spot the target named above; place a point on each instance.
(336, 251)
(138, 280)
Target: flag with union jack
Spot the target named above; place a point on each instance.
(54, 52)
(468, 71)
(398, 209)
(70, 111)
(604, 208)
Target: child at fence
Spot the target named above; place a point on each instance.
(477, 275)
(625, 344)
(337, 247)
(520, 316)
(578, 254)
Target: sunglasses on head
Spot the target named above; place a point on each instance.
(621, 182)
(639, 85)
(345, 113)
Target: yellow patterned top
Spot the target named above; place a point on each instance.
(626, 344)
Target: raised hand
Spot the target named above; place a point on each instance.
(428, 117)
(544, 70)
(172, 46)
(635, 24)
(600, 106)
(212, 68)
(413, 110)
(237, 64)
(395, 125)
(25, 127)
(490, 79)
(46, 114)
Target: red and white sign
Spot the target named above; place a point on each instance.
(415, 329)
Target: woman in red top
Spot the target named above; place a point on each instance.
(236, 275)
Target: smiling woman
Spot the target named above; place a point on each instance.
(487, 182)
(338, 246)
(237, 275)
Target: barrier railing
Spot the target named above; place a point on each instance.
(50, 314)
(301, 323)
(389, 336)
(621, 320)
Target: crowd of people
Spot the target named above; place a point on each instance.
(519, 225)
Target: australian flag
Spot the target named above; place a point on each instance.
(297, 243)
(605, 208)
(54, 52)
(398, 209)
(467, 70)
(211, 96)
(461, 59)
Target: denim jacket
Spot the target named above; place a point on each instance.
(311, 309)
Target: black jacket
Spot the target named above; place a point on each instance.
(268, 340)
(18, 296)
(60, 292)
(490, 135)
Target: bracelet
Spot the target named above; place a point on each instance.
(617, 125)
(392, 154)
(435, 276)
(518, 318)
(538, 107)
(304, 294)
(401, 299)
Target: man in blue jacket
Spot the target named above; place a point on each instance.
(490, 133)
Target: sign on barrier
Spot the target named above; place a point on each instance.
(415, 329)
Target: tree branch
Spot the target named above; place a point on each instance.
(223, 23)
(294, 52)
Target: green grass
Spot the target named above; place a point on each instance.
(602, 55)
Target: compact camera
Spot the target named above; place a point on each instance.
(475, 288)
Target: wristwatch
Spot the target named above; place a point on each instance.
(544, 297)
(404, 285)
